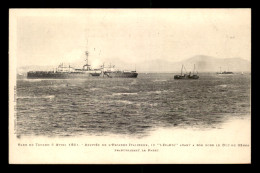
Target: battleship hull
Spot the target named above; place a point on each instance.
(59, 75)
(119, 74)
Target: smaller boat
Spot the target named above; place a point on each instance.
(224, 72)
(187, 76)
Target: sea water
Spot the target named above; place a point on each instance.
(129, 106)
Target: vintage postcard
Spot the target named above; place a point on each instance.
(129, 86)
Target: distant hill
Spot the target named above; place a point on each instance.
(210, 64)
(203, 64)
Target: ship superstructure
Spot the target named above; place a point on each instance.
(63, 72)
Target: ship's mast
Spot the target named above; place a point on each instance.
(181, 69)
(103, 68)
(86, 57)
(86, 53)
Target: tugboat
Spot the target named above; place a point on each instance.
(64, 72)
(187, 76)
(111, 72)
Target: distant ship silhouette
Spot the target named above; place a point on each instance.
(187, 76)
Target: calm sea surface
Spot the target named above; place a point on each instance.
(132, 107)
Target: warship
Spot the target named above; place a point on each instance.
(64, 72)
(187, 76)
(111, 72)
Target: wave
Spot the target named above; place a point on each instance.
(124, 101)
(34, 97)
(119, 94)
(158, 92)
(33, 80)
(94, 89)
(158, 80)
(223, 86)
(120, 87)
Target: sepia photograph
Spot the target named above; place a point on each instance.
(130, 86)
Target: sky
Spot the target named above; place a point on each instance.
(133, 36)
